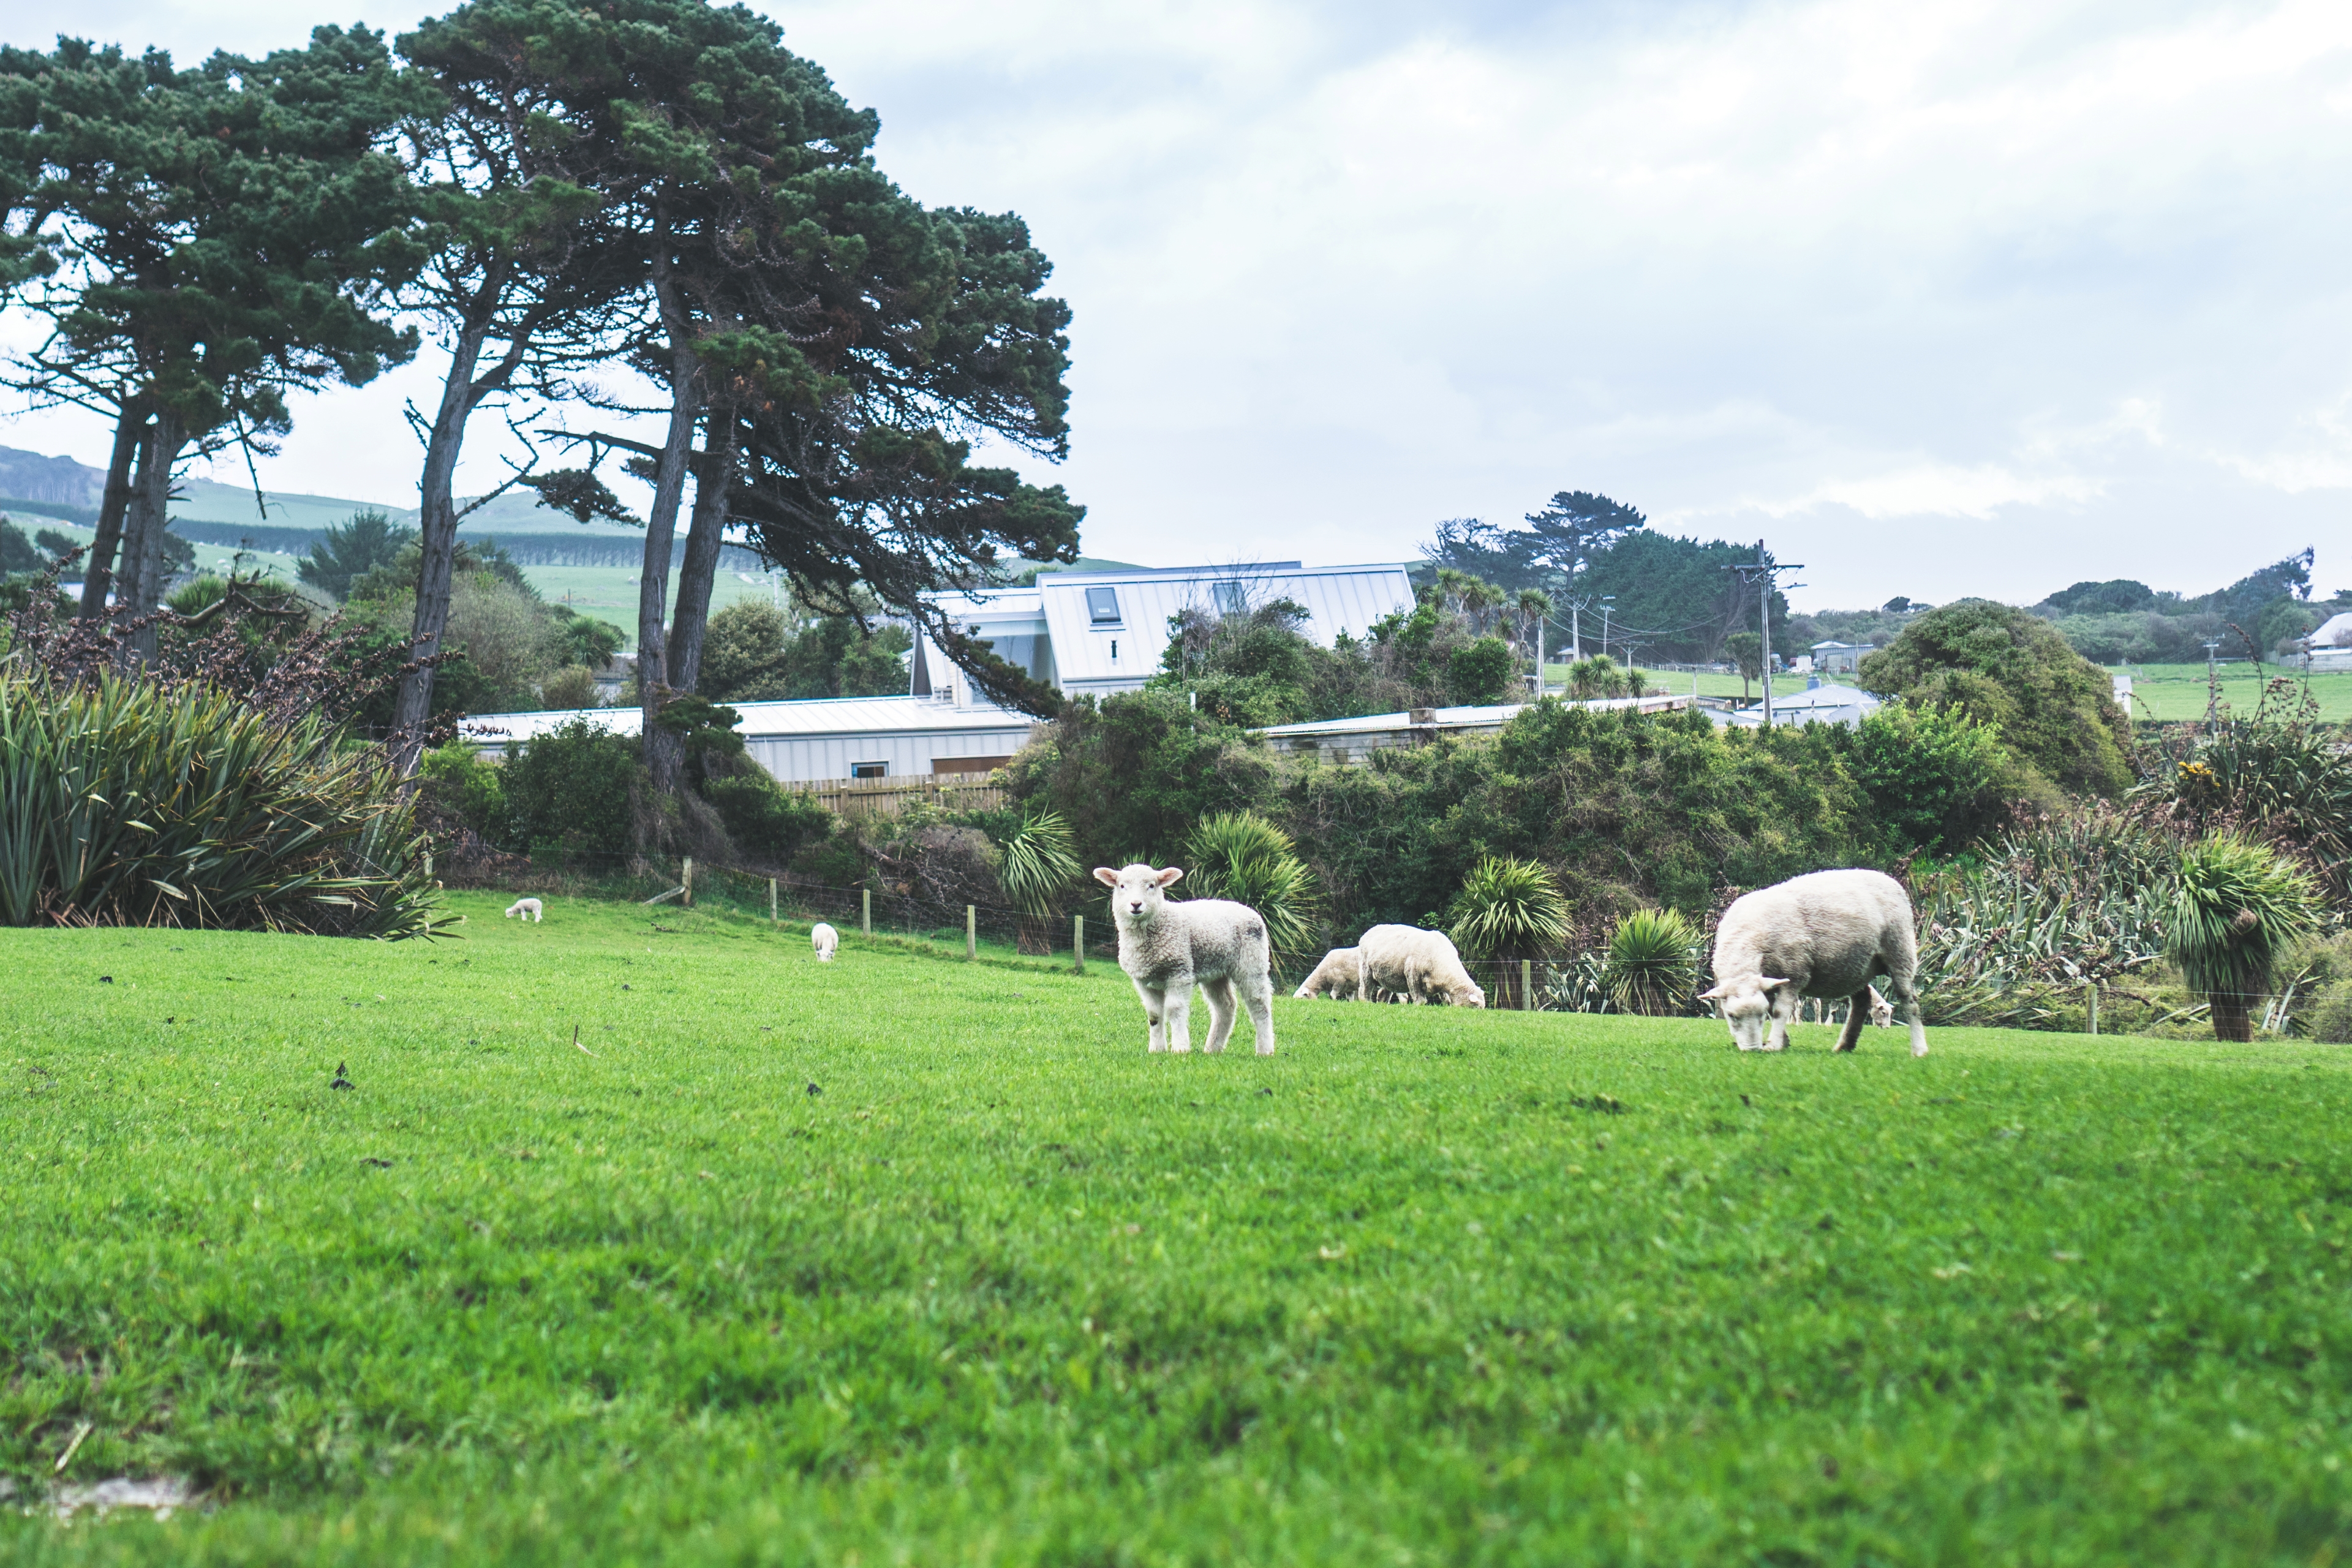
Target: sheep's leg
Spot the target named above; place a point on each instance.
(1155, 1008)
(1220, 993)
(1902, 964)
(1784, 1003)
(1855, 1011)
(1258, 999)
(1177, 1015)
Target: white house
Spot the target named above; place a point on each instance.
(1102, 632)
(833, 737)
(2331, 644)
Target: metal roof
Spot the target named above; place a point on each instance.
(765, 721)
(1482, 717)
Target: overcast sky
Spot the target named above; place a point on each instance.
(1938, 297)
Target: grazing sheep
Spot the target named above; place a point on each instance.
(529, 909)
(1334, 977)
(1825, 934)
(825, 939)
(1167, 948)
(1420, 964)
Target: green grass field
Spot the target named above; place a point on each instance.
(904, 1260)
(2164, 692)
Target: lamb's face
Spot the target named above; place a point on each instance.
(1747, 1006)
(1138, 893)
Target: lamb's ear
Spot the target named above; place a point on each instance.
(1768, 984)
(1107, 877)
(1718, 994)
(1170, 876)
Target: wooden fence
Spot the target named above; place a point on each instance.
(888, 797)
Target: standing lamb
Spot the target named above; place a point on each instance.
(1422, 965)
(1167, 948)
(529, 909)
(825, 939)
(1825, 934)
(1334, 977)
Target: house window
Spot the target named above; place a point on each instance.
(1230, 598)
(1102, 607)
(869, 769)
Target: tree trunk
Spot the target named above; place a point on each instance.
(438, 541)
(691, 619)
(147, 517)
(665, 754)
(98, 570)
(2233, 1016)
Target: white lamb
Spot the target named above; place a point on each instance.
(1826, 934)
(1421, 964)
(529, 909)
(1166, 949)
(1334, 977)
(825, 939)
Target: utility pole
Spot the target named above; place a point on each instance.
(1762, 574)
(1606, 600)
(1540, 654)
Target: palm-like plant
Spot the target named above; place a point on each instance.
(2237, 908)
(1507, 909)
(1243, 857)
(1652, 962)
(1035, 867)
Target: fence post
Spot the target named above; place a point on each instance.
(687, 882)
(428, 864)
(971, 933)
(771, 900)
(866, 916)
(2092, 991)
(1527, 986)
(1078, 944)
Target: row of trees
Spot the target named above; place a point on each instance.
(543, 189)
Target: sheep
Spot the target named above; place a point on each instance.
(529, 909)
(1824, 935)
(1334, 977)
(1420, 964)
(1167, 948)
(825, 939)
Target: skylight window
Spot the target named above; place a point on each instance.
(1102, 607)
(1230, 598)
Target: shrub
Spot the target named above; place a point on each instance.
(1507, 909)
(1480, 671)
(1035, 868)
(456, 781)
(1938, 780)
(764, 820)
(2278, 774)
(572, 786)
(574, 686)
(1654, 964)
(2010, 668)
(122, 803)
(1243, 857)
(2240, 907)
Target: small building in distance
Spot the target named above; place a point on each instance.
(2330, 645)
(1838, 657)
(1343, 742)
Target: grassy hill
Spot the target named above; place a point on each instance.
(902, 1260)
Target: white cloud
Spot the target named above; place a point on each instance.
(1844, 273)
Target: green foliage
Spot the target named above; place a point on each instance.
(2277, 774)
(348, 552)
(754, 653)
(454, 780)
(574, 686)
(764, 820)
(2010, 669)
(1508, 908)
(1938, 780)
(1240, 856)
(1746, 649)
(1598, 677)
(1653, 962)
(125, 803)
(1133, 774)
(573, 786)
(1480, 672)
(2239, 907)
(1034, 865)
(17, 552)
(2067, 901)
